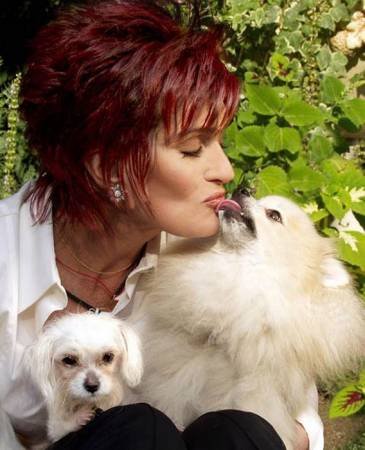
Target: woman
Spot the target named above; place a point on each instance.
(126, 111)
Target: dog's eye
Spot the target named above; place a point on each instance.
(69, 361)
(108, 357)
(272, 214)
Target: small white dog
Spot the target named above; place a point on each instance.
(248, 320)
(81, 363)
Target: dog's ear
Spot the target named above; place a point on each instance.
(132, 366)
(334, 274)
(38, 358)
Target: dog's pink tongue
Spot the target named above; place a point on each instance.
(228, 204)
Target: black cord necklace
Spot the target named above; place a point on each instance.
(81, 302)
(86, 305)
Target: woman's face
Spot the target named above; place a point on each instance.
(186, 181)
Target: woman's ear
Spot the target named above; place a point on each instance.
(93, 166)
(116, 192)
(132, 366)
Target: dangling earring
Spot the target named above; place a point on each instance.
(118, 194)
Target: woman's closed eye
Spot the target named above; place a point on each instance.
(192, 153)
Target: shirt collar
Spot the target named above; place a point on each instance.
(147, 263)
(37, 265)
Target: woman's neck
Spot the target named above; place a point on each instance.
(102, 251)
(94, 265)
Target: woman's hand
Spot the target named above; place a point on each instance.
(302, 441)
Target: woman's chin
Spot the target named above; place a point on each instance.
(199, 230)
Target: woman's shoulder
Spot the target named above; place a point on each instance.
(18, 233)
(10, 206)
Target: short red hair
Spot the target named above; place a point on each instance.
(100, 78)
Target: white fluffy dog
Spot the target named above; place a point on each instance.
(81, 363)
(248, 320)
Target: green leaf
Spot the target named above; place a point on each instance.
(320, 148)
(300, 113)
(316, 216)
(345, 198)
(323, 58)
(354, 110)
(263, 99)
(238, 175)
(258, 17)
(334, 205)
(351, 247)
(332, 89)
(338, 64)
(362, 377)
(246, 117)
(305, 179)
(272, 180)
(282, 138)
(292, 16)
(287, 94)
(289, 42)
(279, 67)
(295, 38)
(3, 77)
(241, 6)
(347, 401)
(272, 14)
(2, 145)
(358, 207)
(339, 12)
(251, 141)
(231, 142)
(337, 168)
(327, 22)
(330, 232)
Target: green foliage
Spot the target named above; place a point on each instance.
(292, 134)
(349, 400)
(358, 444)
(17, 165)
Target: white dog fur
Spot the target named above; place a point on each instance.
(249, 320)
(82, 362)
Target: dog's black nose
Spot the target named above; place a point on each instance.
(91, 387)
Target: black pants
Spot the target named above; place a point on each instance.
(141, 427)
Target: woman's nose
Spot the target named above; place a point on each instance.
(220, 170)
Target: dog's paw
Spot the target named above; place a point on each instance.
(84, 415)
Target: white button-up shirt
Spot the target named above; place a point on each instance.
(30, 291)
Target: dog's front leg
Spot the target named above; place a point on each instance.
(60, 425)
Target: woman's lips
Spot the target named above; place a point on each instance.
(214, 202)
(219, 202)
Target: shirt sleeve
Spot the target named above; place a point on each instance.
(311, 420)
(8, 439)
